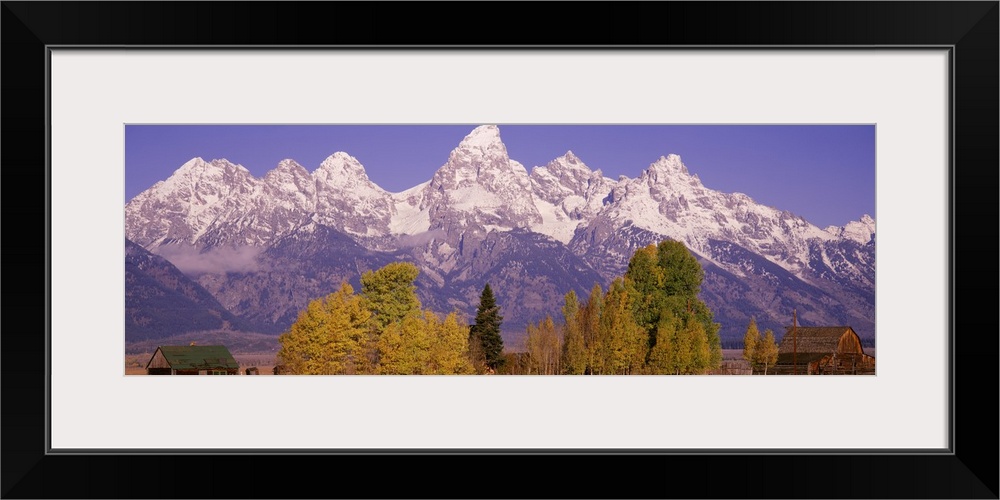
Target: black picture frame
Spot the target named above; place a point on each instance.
(968, 470)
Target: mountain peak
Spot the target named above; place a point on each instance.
(862, 230)
(197, 166)
(340, 156)
(666, 168)
(568, 161)
(288, 164)
(482, 136)
(670, 164)
(343, 162)
(342, 169)
(193, 162)
(290, 176)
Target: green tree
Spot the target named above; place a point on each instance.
(574, 353)
(751, 339)
(767, 351)
(329, 337)
(666, 278)
(645, 281)
(390, 292)
(485, 332)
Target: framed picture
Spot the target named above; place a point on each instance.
(923, 74)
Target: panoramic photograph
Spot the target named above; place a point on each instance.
(499, 249)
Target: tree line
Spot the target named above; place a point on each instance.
(383, 330)
(649, 321)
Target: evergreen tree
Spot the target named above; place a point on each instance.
(574, 353)
(486, 330)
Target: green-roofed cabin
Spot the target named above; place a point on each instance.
(192, 360)
(822, 350)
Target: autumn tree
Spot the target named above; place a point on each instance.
(574, 353)
(449, 346)
(424, 344)
(701, 353)
(485, 332)
(390, 292)
(404, 346)
(751, 340)
(589, 321)
(623, 342)
(381, 331)
(665, 358)
(767, 351)
(543, 349)
(329, 337)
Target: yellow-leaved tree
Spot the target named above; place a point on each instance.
(328, 338)
(383, 330)
(543, 348)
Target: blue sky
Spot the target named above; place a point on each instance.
(825, 173)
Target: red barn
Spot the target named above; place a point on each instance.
(822, 350)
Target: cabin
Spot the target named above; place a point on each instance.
(822, 350)
(192, 360)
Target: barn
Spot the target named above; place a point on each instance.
(822, 350)
(192, 360)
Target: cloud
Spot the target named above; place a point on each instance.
(193, 261)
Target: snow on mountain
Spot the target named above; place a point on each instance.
(567, 194)
(218, 203)
(348, 200)
(479, 187)
(189, 202)
(861, 231)
(408, 216)
(667, 199)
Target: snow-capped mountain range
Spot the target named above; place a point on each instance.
(569, 225)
